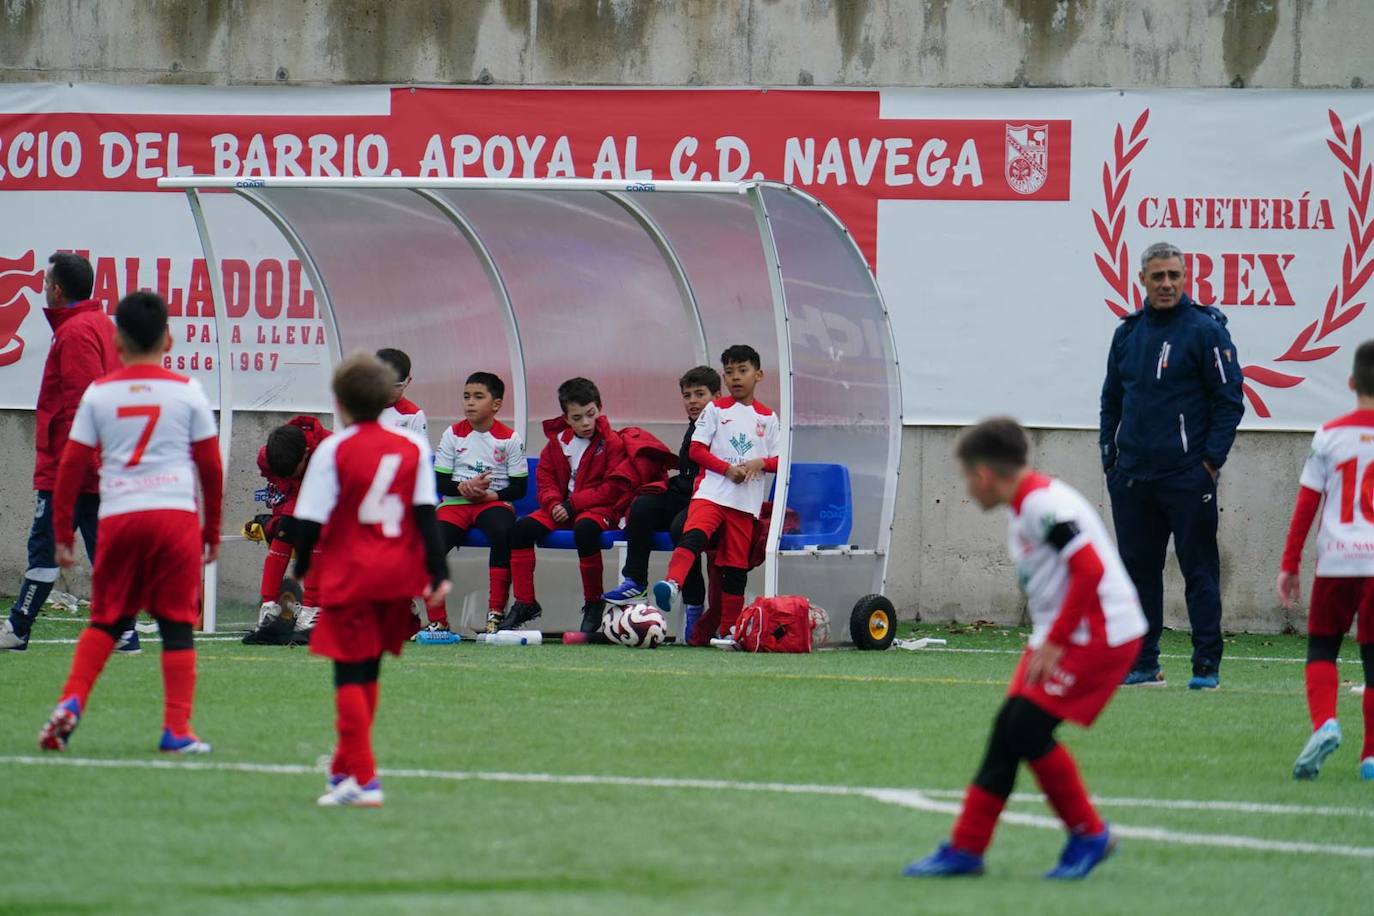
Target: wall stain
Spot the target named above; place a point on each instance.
(1051, 28)
(380, 41)
(1247, 32)
(582, 36)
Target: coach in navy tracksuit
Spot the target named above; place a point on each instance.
(1170, 406)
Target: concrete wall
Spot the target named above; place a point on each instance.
(1187, 43)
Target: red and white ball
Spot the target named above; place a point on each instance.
(640, 626)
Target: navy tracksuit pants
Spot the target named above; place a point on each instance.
(43, 570)
(1146, 513)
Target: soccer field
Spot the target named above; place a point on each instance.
(588, 779)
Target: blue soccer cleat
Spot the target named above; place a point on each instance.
(1319, 746)
(1367, 769)
(628, 592)
(184, 744)
(946, 862)
(128, 643)
(665, 593)
(1082, 853)
(1205, 680)
(1144, 677)
(55, 733)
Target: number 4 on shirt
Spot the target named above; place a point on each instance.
(380, 506)
(150, 414)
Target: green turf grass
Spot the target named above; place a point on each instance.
(140, 840)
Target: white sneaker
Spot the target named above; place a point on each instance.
(305, 618)
(348, 794)
(9, 640)
(269, 611)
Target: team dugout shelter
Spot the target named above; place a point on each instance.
(628, 284)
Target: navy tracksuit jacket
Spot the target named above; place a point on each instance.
(1171, 401)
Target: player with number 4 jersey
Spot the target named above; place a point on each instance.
(1337, 481)
(153, 434)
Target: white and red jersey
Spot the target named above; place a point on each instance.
(144, 421)
(734, 433)
(574, 447)
(361, 485)
(1340, 470)
(406, 414)
(465, 453)
(1076, 586)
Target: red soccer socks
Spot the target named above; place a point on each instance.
(522, 574)
(1059, 780)
(274, 569)
(1323, 683)
(499, 586)
(977, 820)
(93, 650)
(592, 584)
(354, 724)
(178, 690)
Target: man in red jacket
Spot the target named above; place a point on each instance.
(83, 350)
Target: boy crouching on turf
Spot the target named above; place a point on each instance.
(735, 443)
(1086, 630)
(368, 501)
(282, 463)
(577, 490)
(480, 469)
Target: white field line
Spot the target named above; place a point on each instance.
(1225, 658)
(908, 798)
(72, 642)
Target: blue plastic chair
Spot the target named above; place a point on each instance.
(820, 495)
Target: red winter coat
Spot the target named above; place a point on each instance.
(83, 350)
(598, 492)
(283, 501)
(645, 468)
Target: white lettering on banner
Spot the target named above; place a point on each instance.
(263, 156)
(41, 155)
(932, 168)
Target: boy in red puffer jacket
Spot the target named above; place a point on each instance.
(576, 490)
(282, 463)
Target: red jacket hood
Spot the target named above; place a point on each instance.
(64, 313)
(555, 427)
(640, 441)
(315, 433)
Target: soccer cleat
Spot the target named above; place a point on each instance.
(305, 618)
(521, 613)
(1322, 744)
(437, 634)
(592, 612)
(494, 618)
(348, 794)
(183, 744)
(268, 612)
(55, 733)
(1367, 769)
(1144, 677)
(128, 643)
(665, 593)
(946, 862)
(332, 781)
(628, 592)
(1205, 680)
(1082, 853)
(691, 613)
(11, 641)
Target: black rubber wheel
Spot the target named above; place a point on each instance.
(873, 624)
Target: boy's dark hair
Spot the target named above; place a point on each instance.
(999, 443)
(285, 449)
(741, 353)
(397, 360)
(362, 383)
(1363, 373)
(141, 318)
(490, 381)
(73, 274)
(700, 377)
(579, 391)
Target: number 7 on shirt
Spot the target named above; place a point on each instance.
(150, 413)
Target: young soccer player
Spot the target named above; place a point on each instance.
(577, 490)
(282, 463)
(1339, 469)
(735, 443)
(480, 469)
(401, 412)
(1086, 628)
(666, 510)
(151, 431)
(368, 501)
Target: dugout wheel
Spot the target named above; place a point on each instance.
(873, 624)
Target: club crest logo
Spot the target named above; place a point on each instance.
(16, 276)
(1028, 157)
(758, 429)
(741, 443)
(499, 455)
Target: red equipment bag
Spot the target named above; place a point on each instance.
(781, 624)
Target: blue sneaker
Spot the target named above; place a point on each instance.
(691, 613)
(628, 592)
(1144, 677)
(1082, 853)
(1319, 746)
(128, 643)
(665, 593)
(945, 862)
(185, 744)
(54, 734)
(1205, 680)
(1367, 769)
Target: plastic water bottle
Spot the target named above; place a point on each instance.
(512, 638)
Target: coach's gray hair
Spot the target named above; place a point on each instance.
(1159, 250)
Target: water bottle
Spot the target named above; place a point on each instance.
(512, 638)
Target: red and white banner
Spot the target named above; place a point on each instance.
(1004, 225)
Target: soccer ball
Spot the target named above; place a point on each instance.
(639, 626)
(820, 626)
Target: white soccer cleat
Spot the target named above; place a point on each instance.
(269, 611)
(11, 641)
(305, 618)
(348, 794)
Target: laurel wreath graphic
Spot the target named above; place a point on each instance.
(1357, 265)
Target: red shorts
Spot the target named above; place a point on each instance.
(543, 517)
(1080, 685)
(148, 561)
(734, 528)
(1336, 603)
(465, 515)
(360, 632)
